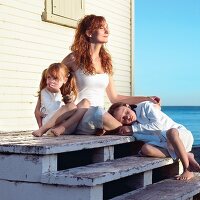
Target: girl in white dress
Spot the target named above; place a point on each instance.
(57, 84)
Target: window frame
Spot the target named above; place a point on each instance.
(49, 16)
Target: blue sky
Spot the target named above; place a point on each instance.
(167, 50)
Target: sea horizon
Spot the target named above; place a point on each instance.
(180, 106)
(188, 116)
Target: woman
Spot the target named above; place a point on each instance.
(93, 70)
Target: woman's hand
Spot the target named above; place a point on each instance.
(156, 100)
(68, 98)
(125, 130)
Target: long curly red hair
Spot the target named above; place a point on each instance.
(81, 45)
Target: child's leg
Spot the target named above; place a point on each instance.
(177, 144)
(194, 165)
(152, 151)
(64, 112)
(72, 120)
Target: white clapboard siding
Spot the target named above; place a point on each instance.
(16, 106)
(14, 65)
(6, 90)
(29, 45)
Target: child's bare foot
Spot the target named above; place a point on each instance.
(186, 175)
(194, 165)
(37, 133)
(59, 130)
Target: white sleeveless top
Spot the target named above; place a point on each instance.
(91, 87)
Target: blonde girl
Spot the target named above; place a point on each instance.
(57, 84)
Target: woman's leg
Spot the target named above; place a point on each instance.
(109, 122)
(63, 113)
(177, 144)
(82, 107)
(110, 125)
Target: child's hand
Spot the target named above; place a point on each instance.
(42, 112)
(125, 130)
(53, 88)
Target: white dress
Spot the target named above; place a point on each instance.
(91, 87)
(50, 103)
(152, 127)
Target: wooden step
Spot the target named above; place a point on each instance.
(25, 143)
(20, 152)
(100, 173)
(169, 189)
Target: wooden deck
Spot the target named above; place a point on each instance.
(82, 167)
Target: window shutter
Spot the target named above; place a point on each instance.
(64, 12)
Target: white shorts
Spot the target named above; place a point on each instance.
(91, 121)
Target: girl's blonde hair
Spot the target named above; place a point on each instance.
(59, 70)
(81, 45)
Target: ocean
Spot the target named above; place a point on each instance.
(189, 116)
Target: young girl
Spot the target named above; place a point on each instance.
(56, 85)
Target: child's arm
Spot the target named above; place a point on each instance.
(46, 100)
(154, 119)
(38, 114)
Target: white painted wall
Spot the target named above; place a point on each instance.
(28, 45)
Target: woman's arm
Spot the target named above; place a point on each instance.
(114, 97)
(126, 131)
(69, 61)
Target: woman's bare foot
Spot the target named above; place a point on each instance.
(193, 164)
(59, 130)
(186, 175)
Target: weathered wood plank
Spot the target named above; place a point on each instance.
(14, 190)
(21, 167)
(25, 143)
(169, 189)
(103, 172)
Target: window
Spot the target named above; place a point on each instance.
(64, 12)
